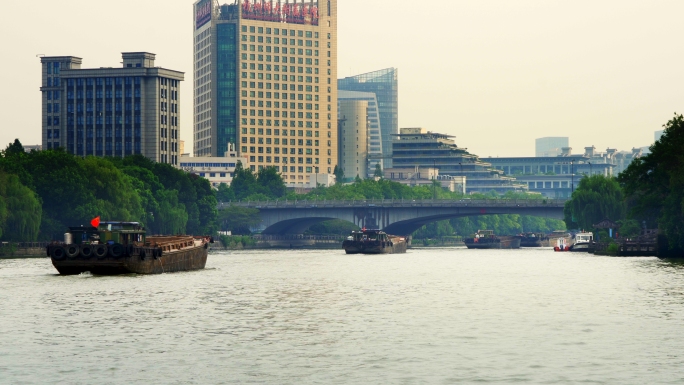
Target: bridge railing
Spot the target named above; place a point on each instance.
(327, 203)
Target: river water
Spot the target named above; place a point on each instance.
(430, 316)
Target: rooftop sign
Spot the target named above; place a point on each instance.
(270, 10)
(202, 13)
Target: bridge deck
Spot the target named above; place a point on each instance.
(396, 203)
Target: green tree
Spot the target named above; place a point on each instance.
(238, 219)
(224, 193)
(339, 174)
(596, 198)
(654, 185)
(270, 183)
(378, 171)
(20, 210)
(171, 216)
(244, 182)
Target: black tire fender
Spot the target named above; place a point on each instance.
(86, 251)
(101, 251)
(71, 251)
(116, 250)
(57, 253)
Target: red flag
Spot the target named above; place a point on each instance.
(95, 221)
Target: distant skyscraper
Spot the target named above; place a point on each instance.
(550, 146)
(133, 109)
(264, 80)
(384, 85)
(657, 135)
(375, 155)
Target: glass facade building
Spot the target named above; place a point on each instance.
(374, 143)
(384, 84)
(227, 59)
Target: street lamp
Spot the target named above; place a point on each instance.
(590, 169)
(434, 189)
(572, 173)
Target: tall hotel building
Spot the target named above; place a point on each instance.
(265, 80)
(132, 109)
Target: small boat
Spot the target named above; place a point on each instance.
(110, 248)
(374, 242)
(485, 239)
(534, 240)
(561, 245)
(582, 241)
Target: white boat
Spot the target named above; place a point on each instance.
(582, 242)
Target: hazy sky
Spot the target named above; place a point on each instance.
(497, 74)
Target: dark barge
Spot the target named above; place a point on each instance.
(374, 242)
(485, 239)
(112, 248)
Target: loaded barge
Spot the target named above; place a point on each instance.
(485, 239)
(374, 242)
(110, 248)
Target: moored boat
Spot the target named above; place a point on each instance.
(374, 242)
(485, 239)
(109, 248)
(534, 240)
(582, 242)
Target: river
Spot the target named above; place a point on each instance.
(430, 316)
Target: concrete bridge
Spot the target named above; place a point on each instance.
(395, 216)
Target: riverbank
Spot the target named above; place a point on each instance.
(22, 250)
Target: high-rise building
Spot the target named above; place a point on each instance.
(353, 138)
(657, 135)
(375, 155)
(550, 146)
(134, 109)
(384, 85)
(264, 80)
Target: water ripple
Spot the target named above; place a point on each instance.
(442, 316)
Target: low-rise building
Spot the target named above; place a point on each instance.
(424, 176)
(324, 180)
(216, 169)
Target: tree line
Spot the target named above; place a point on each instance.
(648, 193)
(44, 192)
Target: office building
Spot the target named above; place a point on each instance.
(375, 155)
(657, 135)
(264, 80)
(353, 138)
(134, 109)
(550, 146)
(416, 148)
(384, 85)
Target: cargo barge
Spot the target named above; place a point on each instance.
(110, 248)
(374, 242)
(485, 239)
